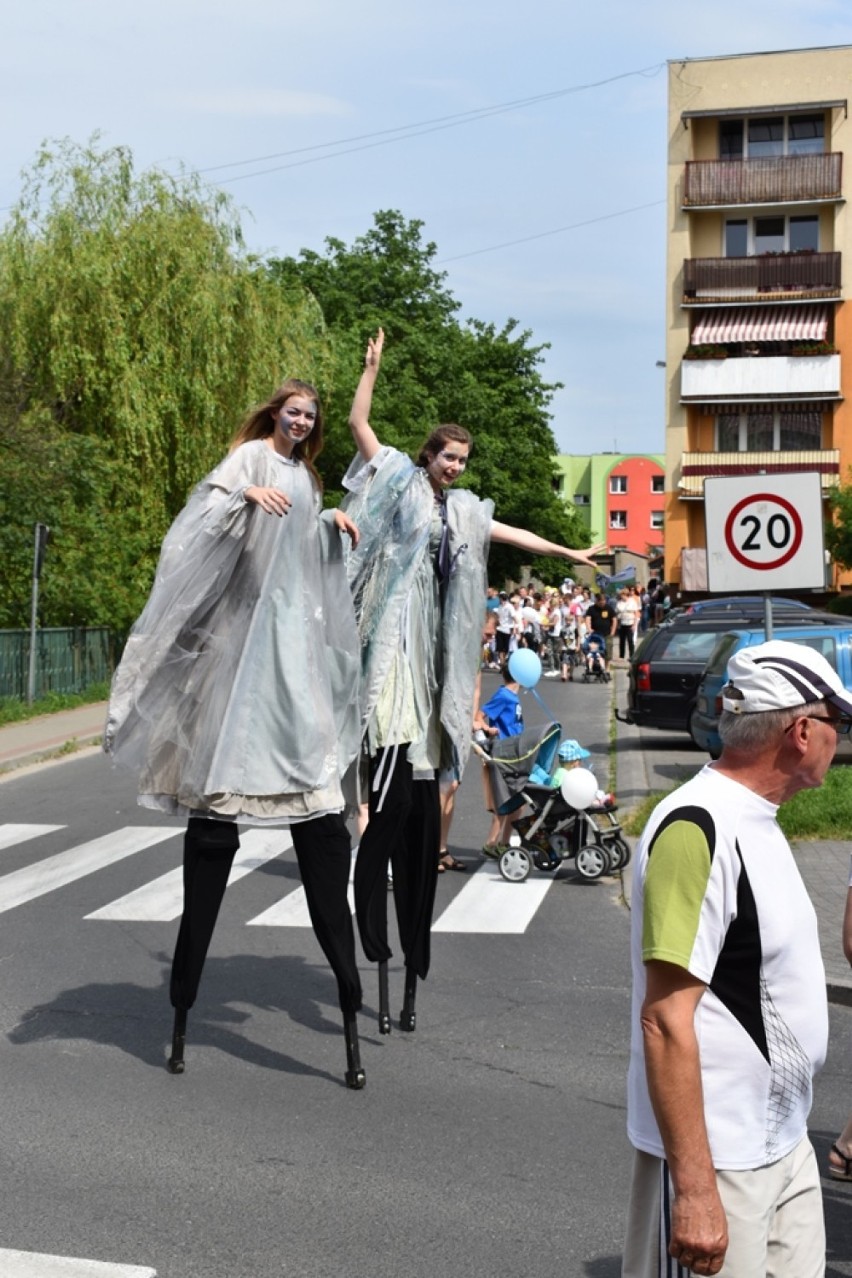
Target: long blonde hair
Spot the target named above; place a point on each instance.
(260, 423)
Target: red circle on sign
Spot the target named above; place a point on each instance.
(798, 532)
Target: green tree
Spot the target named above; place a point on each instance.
(838, 529)
(437, 369)
(136, 333)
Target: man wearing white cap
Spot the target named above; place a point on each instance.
(730, 1020)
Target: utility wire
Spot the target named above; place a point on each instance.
(414, 129)
(572, 226)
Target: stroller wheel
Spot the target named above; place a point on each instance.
(515, 865)
(621, 848)
(592, 861)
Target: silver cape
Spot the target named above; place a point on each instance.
(237, 694)
(418, 658)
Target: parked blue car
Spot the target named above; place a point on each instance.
(834, 642)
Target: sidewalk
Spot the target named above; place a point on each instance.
(51, 735)
(644, 767)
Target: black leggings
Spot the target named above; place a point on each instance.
(406, 833)
(323, 852)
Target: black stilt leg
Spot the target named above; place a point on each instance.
(209, 848)
(323, 852)
(355, 1076)
(408, 1017)
(175, 1061)
(384, 999)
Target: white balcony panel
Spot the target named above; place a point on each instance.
(754, 378)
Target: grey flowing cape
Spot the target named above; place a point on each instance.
(392, 502)
(237, 694)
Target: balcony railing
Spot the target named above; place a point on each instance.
(696, 467)
(768, 277)
(771, 179)
(769, 377)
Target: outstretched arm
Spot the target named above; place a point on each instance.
(523, 540)
(359, 416)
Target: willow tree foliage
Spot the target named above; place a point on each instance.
(438, 369)
(135, 333)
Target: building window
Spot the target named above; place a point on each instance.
(618, 483)
(657, 518)
(618, 519)
(769, 431)
(582, 499)
(764, 135)
(749, 237)
(658, 483)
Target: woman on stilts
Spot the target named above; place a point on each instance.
(418, 582)
(236, 697)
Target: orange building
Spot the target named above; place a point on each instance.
(758, 341)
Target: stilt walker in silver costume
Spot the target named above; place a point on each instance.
(418, 579)
(236, 700)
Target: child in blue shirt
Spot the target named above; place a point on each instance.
(502, 716)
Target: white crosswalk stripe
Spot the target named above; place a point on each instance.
(489, 904)
(32, 1264)
(57, 871)
(486, 904)
(161, 900)
(292, 909)
(12, 834)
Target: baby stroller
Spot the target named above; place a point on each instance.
(594, 649)
(520, 771)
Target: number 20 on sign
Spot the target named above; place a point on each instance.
(764, 532)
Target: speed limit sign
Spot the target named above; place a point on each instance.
(764, 532)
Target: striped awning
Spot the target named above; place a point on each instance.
(761, 324)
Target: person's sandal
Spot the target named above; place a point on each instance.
(839, 1173)
(448, 862)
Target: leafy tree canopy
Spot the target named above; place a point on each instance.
(437, 369)
(136, 332)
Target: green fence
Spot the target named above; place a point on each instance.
(68, 659)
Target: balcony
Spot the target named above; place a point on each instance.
(771, 179)
(696, 467)
(769, 277)
(753, 378)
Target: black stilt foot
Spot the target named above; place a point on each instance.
(355, 1076)
(384, 1000)
(175, 1064)
(408, 1017)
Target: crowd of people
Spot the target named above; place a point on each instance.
(559, 623)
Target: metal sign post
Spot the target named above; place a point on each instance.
(42, 536)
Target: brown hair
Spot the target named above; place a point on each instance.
(261, 421)
(441, 436)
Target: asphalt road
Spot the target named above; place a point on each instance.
(490, 1142)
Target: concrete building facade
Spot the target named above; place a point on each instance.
(759, 259)
(620, 496)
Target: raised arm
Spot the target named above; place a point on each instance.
(359, 416)
(523, 540)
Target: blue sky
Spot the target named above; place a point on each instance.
(205, 83)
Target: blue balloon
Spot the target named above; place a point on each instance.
(525, 667)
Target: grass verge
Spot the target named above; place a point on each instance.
(12, 710)
(825, 813)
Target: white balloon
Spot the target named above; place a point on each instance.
(579, 787)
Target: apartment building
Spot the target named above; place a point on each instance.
(620, 497)
(759, 262)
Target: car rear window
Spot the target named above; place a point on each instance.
(689, 645)
(821, 641)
